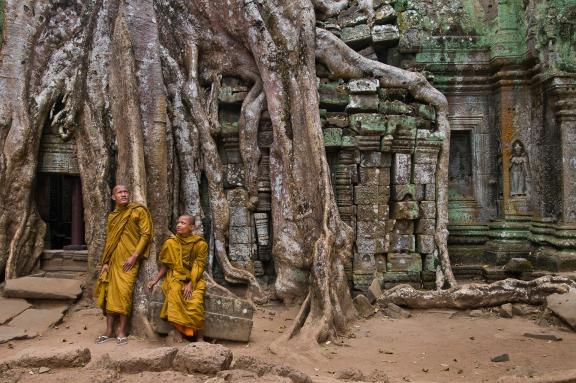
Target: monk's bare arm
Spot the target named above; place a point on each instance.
(159, 276)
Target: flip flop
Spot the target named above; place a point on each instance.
(121, 341)
(103, 339)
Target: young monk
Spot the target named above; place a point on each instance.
(182, 259)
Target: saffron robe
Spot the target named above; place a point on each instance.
(129, 230)
(184, 258)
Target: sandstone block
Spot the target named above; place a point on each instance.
(374, 291)
(430, 192)
(228, 318)
(153, 359)
(366, 195)
(425, 244)
(203, 358)
(43, 288)
(338, 119)
(408, 262)
(364, 86)
(357, 36)
(394, 107)
(8, 333)
(241, 234)
(385, 35)
(38, 321)
(333, 95)
(250, 363)
(241, 252)
(368, 213)
(405, 210)
(385, 15)
(426, 226)
(369, 123)
(564, 306)
(9, 308)
(427, 112)
(412, 192)
(363, 306)
(402, 168)
(424, 173)
(401, 243)
(332, 137)
(427, 210)
(52, 357)
(425, 156)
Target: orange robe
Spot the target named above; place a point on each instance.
(184, 258)
(129, 230)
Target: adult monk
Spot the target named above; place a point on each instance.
(182, 259)
(127, 240)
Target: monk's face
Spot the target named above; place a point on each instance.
(121, 195)
(184, 225)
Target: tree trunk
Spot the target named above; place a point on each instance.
(139, 83)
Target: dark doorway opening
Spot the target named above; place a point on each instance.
(59, 198)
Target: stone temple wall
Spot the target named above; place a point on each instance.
(508, 68)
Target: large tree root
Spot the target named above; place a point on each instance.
(479, 295)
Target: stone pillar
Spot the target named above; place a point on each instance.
(566, 119)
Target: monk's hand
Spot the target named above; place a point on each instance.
(104, 269)
(187, 291)
(151, 285)
(130, 262)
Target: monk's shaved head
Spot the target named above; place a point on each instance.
(118, 187)
(191, 219)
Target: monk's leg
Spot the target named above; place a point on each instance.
(110, 324)
(123, 327)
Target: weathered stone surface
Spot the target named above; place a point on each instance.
(410, 262)
(332, 137)
(385, 35)
(424, 173)
(153, 359)
(428, 210)
(261, 368)
(52, 357)
(385, 15)
(333, 95)
(38, 321)
(405, 210)
(357, 36)
(394, 107)
(363, 103)
(369, 123)
(8, 333)
(364, 86)
(518, 265)
(522, 309)
(228, 318)
(338, 119)
(402, 243)
(506, 310)
(9, 308)
(374, 291)
(412, 192)
(564, 306)
(425, 226)
(42, 288)
(203, 358)
(425, 244)
(402, 168)
(394, 311)
(363, 306)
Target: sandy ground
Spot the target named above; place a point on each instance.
(435, 345)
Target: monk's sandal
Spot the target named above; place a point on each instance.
(103, 339)
(121, 341)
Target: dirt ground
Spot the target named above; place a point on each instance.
(433, 345)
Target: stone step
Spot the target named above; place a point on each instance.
(11, 307)
(31, 323)
(43, 288)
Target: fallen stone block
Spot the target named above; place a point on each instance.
(38, 321)
(154, 359)
(249, 363)
(51, 357)
(564, 306)
(374, 291)
(394, 311)
(363, 306)
(203, 358)
(43, 288)
(506, 310)
(9, 308)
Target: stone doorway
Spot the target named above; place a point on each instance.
(59, 198)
